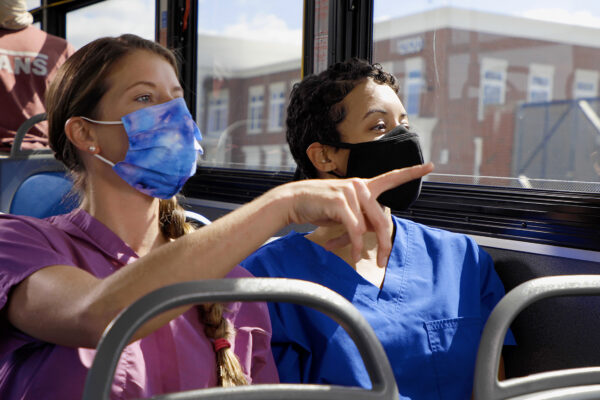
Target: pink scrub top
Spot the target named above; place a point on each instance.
(176, 357)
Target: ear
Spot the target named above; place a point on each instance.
(79, 133)
(322, 157)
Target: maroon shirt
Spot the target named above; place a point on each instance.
(29, 59)
(176, 357)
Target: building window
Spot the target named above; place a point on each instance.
(492, 86)
(276, 106)
(273, 155)
(218, 108)
(252, 155)
(540, 85)
(413, 85)
(256, 102)
(478, 143)
(586, 84)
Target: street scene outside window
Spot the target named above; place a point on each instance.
(501, 93)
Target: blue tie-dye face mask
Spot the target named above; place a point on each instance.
(163, 147)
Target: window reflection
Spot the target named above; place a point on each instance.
(501, 94)
(249, 55)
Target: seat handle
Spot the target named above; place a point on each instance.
(119, 332)
(486, 384)
(15, 150)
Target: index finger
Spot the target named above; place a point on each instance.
(383, 182)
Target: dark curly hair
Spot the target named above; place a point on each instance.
(315, 107)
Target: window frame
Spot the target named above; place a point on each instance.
(530, 215)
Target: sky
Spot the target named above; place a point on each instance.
(281, 20)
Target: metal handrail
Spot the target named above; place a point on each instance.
(486, 385)
(120, 331)
(15, 150)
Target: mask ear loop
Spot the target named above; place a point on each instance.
(102, 122)
(112, 164)
(107, 161)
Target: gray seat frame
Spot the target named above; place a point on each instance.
(118, 334)
(575, 383)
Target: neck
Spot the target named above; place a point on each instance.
(322, 235)
(130, 214)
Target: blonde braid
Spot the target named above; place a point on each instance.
(229, 370)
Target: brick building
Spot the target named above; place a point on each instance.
(489, 94)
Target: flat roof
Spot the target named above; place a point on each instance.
(486, 22)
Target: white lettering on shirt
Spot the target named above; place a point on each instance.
(5, 63)
(24, 62)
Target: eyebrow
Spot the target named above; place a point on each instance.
(152, 84)
(380, 110)
(373, 111)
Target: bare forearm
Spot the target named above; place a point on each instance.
(209, 253)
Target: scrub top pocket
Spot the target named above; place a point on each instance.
(454, 343)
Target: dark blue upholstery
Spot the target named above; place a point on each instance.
(43, 195)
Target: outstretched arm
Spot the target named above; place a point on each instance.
(68, 306)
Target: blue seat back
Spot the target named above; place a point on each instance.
(43, 195)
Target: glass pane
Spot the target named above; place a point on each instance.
(501, 93)
(31, 4)
(111, 18)
(249, 57)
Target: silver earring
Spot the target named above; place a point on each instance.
(92, 148)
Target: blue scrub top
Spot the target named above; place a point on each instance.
(438, 291)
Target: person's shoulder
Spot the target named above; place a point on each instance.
(432, 235)
(408, 224)
(281, 244)
(31, 229)
(56, 43)
(266, 261)
(24, 220)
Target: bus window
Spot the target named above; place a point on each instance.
(249, 57)
(31, 4)
(111, 18)
(502, 93)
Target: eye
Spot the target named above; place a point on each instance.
(145, 98)
(380, 126)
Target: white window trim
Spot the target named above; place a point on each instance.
(278, 87)
(223, 94)
(252, 156)
(586, 76)
(413, 64)
(542, 71)
(273, 155)
(258, 90)
(496, 65)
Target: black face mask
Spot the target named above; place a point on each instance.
(396, 149)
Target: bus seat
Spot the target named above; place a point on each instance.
(554, 333)
(118, 334)
(573, 383)
(20, 165)
(44, 194)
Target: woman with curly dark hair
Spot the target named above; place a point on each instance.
(427, 302)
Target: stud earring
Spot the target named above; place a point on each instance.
(92, 148)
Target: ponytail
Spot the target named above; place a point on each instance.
(229, 371)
